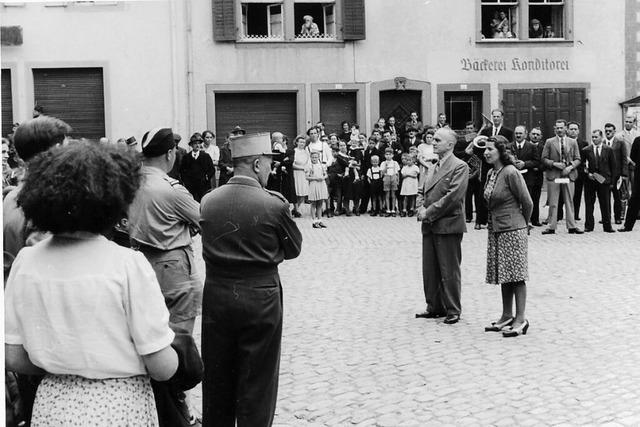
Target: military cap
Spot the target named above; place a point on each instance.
(257, 144)
(157, 142)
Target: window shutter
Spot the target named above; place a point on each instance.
(353, 20)
(224, 20)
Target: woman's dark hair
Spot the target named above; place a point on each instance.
(344, 123)
(37, 135)
(80, 187)
(312, 128)
(503, 147)
(205, 132)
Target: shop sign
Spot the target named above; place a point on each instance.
(514, 64)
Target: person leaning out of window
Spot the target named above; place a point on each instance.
(309, 28)
(535, 29)
(510, 208)
(81, 310)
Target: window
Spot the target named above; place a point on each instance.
(315, 20)
(262, 21)
(529, 20)
(288, 20)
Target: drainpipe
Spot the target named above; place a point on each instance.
(175, 86)
(189, 53)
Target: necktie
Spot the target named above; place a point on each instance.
(195, 156)
(597, 158)
(562, 151)
(495, 131)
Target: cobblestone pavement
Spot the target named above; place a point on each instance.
(353, 353)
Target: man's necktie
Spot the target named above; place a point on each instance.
(495, 131)
(562, 151)
(597, 158)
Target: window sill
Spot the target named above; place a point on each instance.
(281, 42)
(530, 42)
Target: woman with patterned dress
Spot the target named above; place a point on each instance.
(510, 209)
(81, 310)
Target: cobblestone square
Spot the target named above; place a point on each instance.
(353, 353)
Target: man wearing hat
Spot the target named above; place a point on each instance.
(246, 232)
(162, 219)
(225, 163)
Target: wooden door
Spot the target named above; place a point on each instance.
(400, 104)
(336, 107)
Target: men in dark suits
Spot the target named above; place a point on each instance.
(535, 137)
(441, 211)
(414, 123)
(369, 152)
(497, 128)
(561, 158)
(196, 169)
(394, 128)
(599, 166)
(621, 154)
(573, 131)
(634, 202)
(411, 140)
(246, 232)
(527, 157)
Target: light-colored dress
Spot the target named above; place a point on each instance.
(300, 164)
(317, 189)
(409, 180)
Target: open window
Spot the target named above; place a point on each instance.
(499, 19)
(546, 19)
(262, 21)
(314, 20)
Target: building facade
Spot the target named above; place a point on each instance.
(216, 64)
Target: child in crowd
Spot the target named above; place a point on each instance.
(426, 157)
(336, 174)
(409, 189)
(318, 193)
(300, 165)
(374, 177)
(390, 170)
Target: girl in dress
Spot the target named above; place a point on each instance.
(390, 170)
(409, 189)
(300, 165)
(318, 193)
(426, 157)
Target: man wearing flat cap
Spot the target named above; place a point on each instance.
(162, 219)
(246, 232)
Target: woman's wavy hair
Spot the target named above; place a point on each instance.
(81, 186)
(504, 149)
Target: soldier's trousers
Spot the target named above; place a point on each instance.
(241, 335)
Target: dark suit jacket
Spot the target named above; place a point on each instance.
(582, 144)
(619, 148)
(418, 126)
(196, 174)
(443, 195)
(605, 166)
(406, 143)
(531, 158)
(510, 204)
(504, 131)
(551, 153)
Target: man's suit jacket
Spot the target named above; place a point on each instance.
(443, 196)
(551, 153)
(529, 155)
(621, 154)
(417, 126)
(196, 174)
(605, 166)
(504, 131)
(407, 143)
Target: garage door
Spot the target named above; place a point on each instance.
(7, 106)
(256, 112)
(75, 95)
(336, 107)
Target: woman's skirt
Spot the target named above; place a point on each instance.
(318, 191)
(65, 400)
(301, 183)
(507, 259)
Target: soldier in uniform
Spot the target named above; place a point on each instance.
(246, 232)
(162, 219)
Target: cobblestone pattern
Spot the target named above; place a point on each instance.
(353, 353)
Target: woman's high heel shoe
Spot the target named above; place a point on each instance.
(514, 332)
(498, 326)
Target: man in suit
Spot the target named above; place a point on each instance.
(622, 169)
(561, 157)
(394, 128)
(634, 202)
(527, 158)
(497, 128)
(628, 134)
(600, 164)
(535, 137)
(442, 121)
(414, 123)
(573, 131)
(196, 169)
(411, 140)
(441, 211)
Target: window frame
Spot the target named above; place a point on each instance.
(289, 27)
(522, 21)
